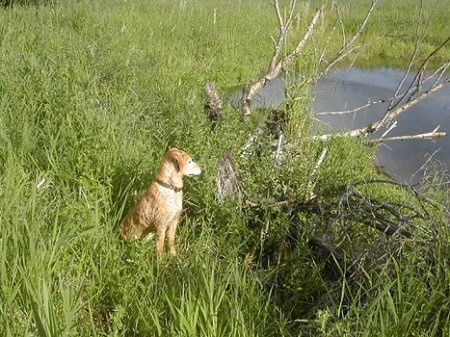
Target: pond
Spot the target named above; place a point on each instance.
(406, 160)
(347, 89)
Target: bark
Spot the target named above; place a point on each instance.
(213, 106)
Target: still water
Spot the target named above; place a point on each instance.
(406, 160)
(347, 89)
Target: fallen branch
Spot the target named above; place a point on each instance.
(390, 115)
(384, 217)
(429, 135)
(413, 100)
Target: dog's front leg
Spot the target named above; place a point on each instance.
(160, 238)
(171, 236)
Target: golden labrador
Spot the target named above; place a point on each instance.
(159, 208)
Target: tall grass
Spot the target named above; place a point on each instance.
(91, 95)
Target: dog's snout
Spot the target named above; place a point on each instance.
(193, 169)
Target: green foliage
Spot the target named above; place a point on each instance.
(91, 95)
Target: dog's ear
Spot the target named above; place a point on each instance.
(175, 158)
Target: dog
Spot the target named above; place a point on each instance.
(159, 208)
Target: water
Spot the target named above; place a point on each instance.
(406, 160)
(350, 88)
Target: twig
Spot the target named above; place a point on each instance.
(279, 145)
(347, 47)
(394, 125)
(425, 164)
(345, 112)
(319, 161)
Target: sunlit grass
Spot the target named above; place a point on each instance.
(91, 95)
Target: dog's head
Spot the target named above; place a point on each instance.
(183, 162)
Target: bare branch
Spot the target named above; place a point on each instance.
(319, 161)
(277, 65)
(419, 38)
(393, 126)
(289, 59)
(281, 37)
(357, 109)
(352, 133)
(391, 114)
(414, 94)
(347, 47)
(417, 82)
(429, 135)
(427, 162)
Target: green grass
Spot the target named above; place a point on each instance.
(91, 95)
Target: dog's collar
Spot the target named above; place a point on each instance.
(169, 186)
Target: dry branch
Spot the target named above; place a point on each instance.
(386, 218)
(429, 135)
(393, 113)
(357, 109)
(348, 46)
(421, 86)
(277, 64)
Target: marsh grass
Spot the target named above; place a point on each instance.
(92, 93)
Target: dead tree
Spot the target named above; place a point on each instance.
(277, 63)
(424, 82)
(422, 86)
(402, 101)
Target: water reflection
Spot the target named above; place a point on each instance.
(350, 88)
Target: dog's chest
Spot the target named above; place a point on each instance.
(173, 199)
